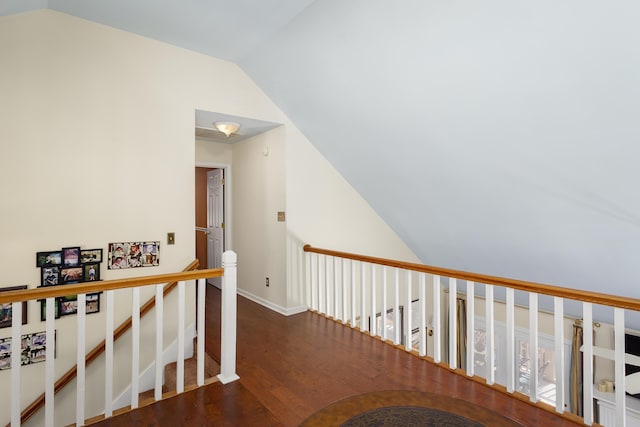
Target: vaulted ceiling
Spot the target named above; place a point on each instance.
(499, 137)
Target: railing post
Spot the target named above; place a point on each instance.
(229, 319)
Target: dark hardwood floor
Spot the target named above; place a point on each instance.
(290, 367)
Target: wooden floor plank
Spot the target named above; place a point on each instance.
(290, 367)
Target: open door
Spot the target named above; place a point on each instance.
(209, 218)
(215, 220)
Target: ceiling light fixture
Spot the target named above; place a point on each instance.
(227, 128)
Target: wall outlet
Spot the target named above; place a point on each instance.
(267, 282)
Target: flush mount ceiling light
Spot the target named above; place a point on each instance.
(227, 127)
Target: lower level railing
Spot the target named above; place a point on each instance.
(533, 341)
(143, 344)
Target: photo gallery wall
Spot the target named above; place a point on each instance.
(65, 266)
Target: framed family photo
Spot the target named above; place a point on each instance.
(71, 256)
(88, 256)
(6, 310)
(43, 310)
(71, 275)
(50, 276)
(133, 254)
(49, 258)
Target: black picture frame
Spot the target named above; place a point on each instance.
(93, 303)
(71, 256)
(71, 275)
(90, 256)
(48, 258)
(67, 305)
(91, 272)
(43, 310)
(32, 346)
(50, 276)
(6, 310)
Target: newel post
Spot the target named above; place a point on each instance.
(228, 318)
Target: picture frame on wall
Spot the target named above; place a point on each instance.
(133, 254)
(90, 256)
(71, 275)
(150, 254)
(91, 272)
(6, 310)
(71, 256)
(33, 348)
(48, 258)
(43, 310)
(67, 305)
(50, 276)
(93, 303)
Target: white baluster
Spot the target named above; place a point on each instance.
(135, 347)
(16, 344)
(490, 337)
(396, 308)
(108, 354)
(407, 314)
(308, 270)
(374, 325)
(315, 279)
(159, 368)
(423, 313)
(202, 295)
(80, 357)
(471, 316)
(363, 320)
(345, 301)
(587, 359)
(619, 355)
(533, 347)
(327, 278)
(383, 312)
(49, 361)
(511, 341)
(353, 293)
(181, 314)
(453, 322)
(558, 321)
(336, 289)
(437, 340)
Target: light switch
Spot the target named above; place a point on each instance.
(171, 238)
(281, 216)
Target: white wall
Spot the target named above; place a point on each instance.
(258, 238)
(97, 146)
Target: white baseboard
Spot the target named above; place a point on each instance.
(275, 307)
(148, 376)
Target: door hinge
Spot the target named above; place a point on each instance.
(222, 225)
(222, 181)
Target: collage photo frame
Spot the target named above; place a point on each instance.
(133, 254)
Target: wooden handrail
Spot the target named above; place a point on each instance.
(107, 285)
(556, 291)
(171, 279)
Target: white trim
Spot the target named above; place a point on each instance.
(275, 307)
(228, 244)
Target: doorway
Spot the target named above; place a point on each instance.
(210, 218)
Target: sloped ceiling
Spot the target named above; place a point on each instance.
(499, 137)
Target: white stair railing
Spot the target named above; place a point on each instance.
(49, 294)
(426, 322)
